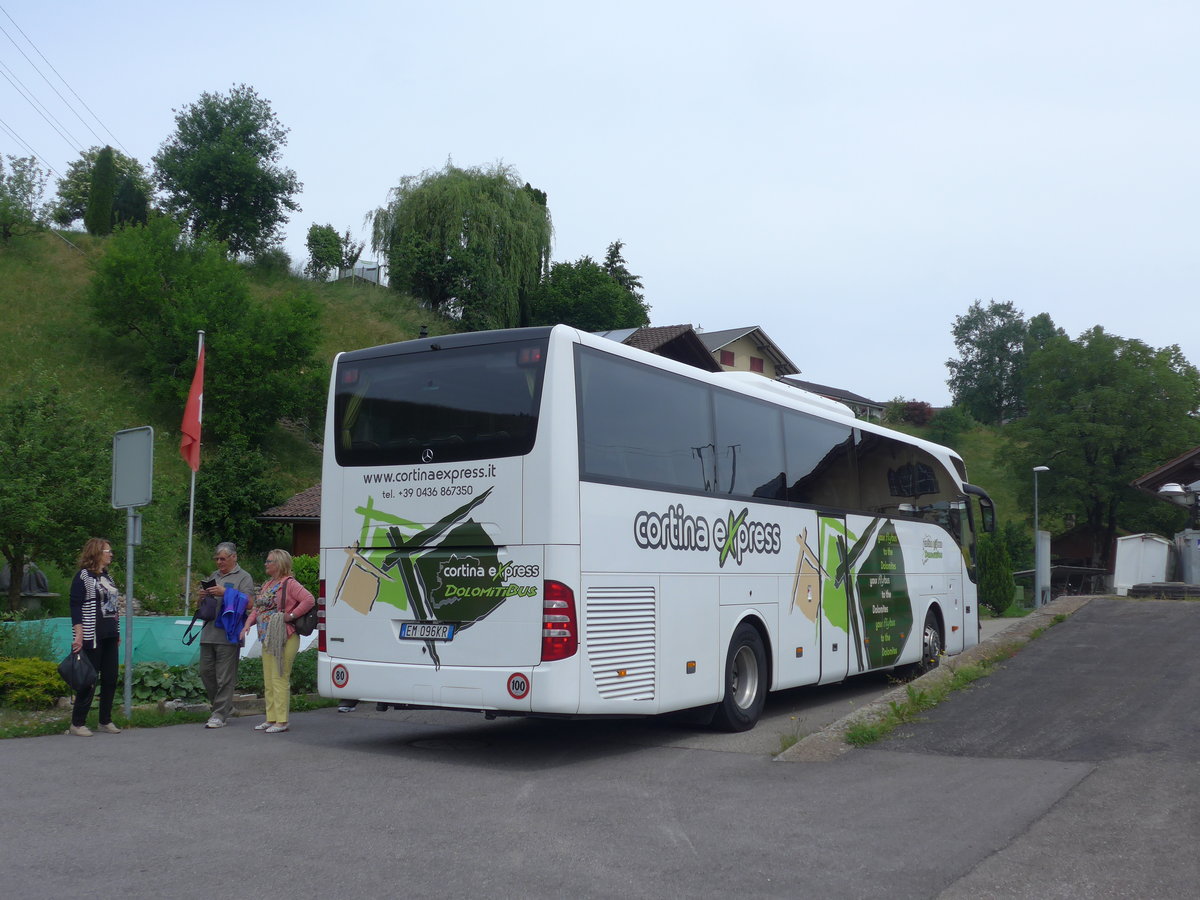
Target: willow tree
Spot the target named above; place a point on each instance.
(472, 243)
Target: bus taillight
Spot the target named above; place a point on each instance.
(321, 616)
(560, 631)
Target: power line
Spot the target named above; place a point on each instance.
(16, 137)
(49, 84)
(65, 83)
(38, 106)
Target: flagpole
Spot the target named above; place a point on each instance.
(187, 578)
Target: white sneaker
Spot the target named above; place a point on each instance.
(80, 731)
(263, 726)
(215, 722)
(275, 729)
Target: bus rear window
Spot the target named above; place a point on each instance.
(434, 406)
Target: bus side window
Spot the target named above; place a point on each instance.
(644, 425)
(749, 447)
(820, 462)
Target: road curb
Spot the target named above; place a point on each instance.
(829, 743)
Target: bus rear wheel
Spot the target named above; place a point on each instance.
(745, 681)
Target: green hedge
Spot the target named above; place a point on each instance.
(30, 683)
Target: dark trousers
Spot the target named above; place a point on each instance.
(218, 672)
(104, 658)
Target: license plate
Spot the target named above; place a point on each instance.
(426, 631)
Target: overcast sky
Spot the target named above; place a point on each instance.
(848, 176)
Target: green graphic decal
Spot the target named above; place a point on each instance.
(833, 588)
(734, 525)
(883, 599)
(424, 572)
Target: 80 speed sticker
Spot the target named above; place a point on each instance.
(340, 676)
(518, 686)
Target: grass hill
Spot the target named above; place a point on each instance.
(48, 321)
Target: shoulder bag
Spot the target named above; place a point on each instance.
(77, 671)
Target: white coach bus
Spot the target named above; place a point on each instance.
(541, 521)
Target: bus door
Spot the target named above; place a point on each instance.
(833, 618)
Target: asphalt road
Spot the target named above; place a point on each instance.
(1071, 772)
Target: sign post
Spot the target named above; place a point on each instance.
(132, 487)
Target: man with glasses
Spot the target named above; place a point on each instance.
(218, 657)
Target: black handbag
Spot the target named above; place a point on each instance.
(206, 611)
(77, 671)
(208, 608)
(305, 623)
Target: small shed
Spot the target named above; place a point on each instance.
(1141, 558)
(303, 512)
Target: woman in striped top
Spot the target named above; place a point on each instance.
(95, 631)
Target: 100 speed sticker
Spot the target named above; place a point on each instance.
(518, 686)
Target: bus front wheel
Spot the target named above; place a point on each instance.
(745, 681)
(932, 644)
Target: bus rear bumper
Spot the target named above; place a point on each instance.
(518, 690)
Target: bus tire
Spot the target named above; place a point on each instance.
(745, 681)
(932, 643)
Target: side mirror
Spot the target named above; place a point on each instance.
(987, 514)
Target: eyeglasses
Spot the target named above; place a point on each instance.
(268, 561)
(221, 558)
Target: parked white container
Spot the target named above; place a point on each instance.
(1141, 559)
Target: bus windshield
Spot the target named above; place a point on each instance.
(464, 403)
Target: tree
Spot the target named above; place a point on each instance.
(468, 242)
(99, 216)
(996, 586)
(327, 251)
(55, 470)
(584, 295)
(154, 288)
(324, 251)
(220, 171)
(614, 265)
(351, 251)
(239, 483)
(1103, 410)
(21, 190)
(985, 377)
(131, 206)
(75, 186)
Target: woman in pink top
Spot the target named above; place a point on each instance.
(279, 601)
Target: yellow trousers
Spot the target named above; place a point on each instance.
(278, 688)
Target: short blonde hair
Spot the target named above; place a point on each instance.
(283, 559)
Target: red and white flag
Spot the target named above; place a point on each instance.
(193, 413)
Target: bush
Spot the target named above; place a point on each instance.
(250, 677)
(27, 640)
(272, 263)
(157, 681)
(307, 571)
(949, 424)
(29, 683)
(304, 672)
(917, 412)
(898, 410)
